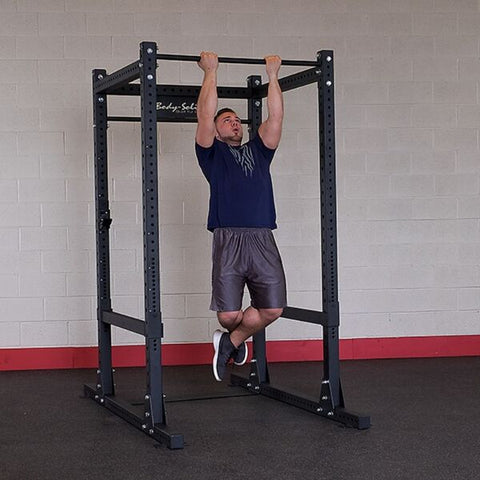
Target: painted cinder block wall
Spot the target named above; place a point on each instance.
(408, 170)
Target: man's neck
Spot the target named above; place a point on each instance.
(232, 143)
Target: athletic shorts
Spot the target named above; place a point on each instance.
(246, 256)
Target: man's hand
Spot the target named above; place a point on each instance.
(273, 63)
(208, 62)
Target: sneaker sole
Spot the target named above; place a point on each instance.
(244, 360)
(217, 335)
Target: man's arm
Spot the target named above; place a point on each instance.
(270, 130)
(207, 100)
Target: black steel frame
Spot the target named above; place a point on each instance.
(153, 422)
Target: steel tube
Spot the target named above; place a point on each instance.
(250, 61)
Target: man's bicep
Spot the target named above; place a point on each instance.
(205, 134)
(270, 132)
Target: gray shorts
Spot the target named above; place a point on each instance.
(246, 256)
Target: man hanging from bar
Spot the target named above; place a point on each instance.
(241, 215)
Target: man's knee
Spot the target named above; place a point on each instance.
(229, 320)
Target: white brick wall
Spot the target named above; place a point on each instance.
(408, 164)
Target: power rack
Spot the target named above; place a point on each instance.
(177, 103)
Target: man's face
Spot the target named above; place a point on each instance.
(229, 128)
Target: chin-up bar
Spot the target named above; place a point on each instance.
(244, 61)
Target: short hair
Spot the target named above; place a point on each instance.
(222, 110)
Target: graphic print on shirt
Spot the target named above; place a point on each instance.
(244, 157)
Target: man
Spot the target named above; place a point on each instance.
(241, 215)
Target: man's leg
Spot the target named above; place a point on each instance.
(258, 246)
(240, 325)
(252, 321)
(243, 325)
(222, 344)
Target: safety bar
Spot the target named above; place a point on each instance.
(251, 61)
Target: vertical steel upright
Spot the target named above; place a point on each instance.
(254, 107)
(103, 221)
(331, 389)
(154, 403)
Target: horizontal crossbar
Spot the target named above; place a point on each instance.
(124, 321)
(305, 315)
(118, 78)
(338, 414)
(289, 82)
(159, 119)
(297, 80)
(158, 432)
(245, 61)
(133, 89)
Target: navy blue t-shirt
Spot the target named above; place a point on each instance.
(241, 192)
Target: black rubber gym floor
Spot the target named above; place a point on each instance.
(425, 416)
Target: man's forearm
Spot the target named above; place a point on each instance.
(208, 99)
(274, 100)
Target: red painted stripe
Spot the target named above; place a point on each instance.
(415, 347)
(277, 351)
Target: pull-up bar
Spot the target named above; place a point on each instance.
(251, 61)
